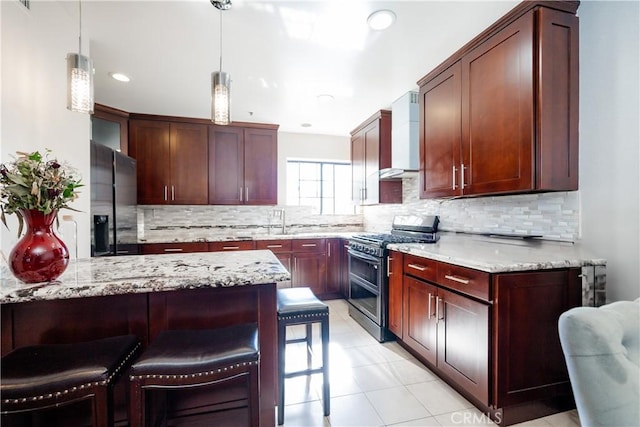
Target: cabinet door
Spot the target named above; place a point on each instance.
(149, 145)
(463, 342)
(419, 323)
(497, 111)
(371, 135)
(226, 165)
(334, 265)
(440, 135)
(526, 305)
(189, 164)
(310, 270)
(357, 167)
(260, 167)
(394, 272)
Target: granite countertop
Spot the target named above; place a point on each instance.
(239, 237)
(499, 255)
(148, 273)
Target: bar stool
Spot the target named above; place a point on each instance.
(46, 376)
(181, 359)
(299, 306)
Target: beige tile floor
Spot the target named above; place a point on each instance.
(375, 384)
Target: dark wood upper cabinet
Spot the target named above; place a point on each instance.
(243, 166)
(500, 116)
(171, 162)
(370, 152)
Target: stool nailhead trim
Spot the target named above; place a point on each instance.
(76, 388)
(302, 316)
(198, 374)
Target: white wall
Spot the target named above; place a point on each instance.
(33, 114)
(313, 147)
(609, 139)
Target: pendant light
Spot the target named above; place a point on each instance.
(79, 76)
(221, 81)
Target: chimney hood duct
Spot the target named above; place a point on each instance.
(404, 138)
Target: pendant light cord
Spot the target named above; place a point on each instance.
(220, 40)
(80, 27)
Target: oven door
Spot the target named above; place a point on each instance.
(365, 280)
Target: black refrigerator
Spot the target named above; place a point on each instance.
(114, 214)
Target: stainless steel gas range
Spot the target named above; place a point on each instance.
(368, 284)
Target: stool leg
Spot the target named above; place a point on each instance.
(326, 397)
(136, 405)
(102, 407)
(309, 339)
(282, 344)
(254, 395)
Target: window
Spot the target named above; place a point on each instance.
(326, 186)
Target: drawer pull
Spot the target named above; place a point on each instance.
(274, 246)
(429, 306)
(230, 248)
(457, 279)
(417, 267)
(173, 249)
(309, 245)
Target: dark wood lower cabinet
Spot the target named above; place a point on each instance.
(463, 342)
(493, 337)
(394, 273)
(146, 315)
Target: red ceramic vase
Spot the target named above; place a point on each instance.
(39, 256)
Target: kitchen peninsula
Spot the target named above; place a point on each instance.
(144, 295)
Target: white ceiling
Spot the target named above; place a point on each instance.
(281, 55)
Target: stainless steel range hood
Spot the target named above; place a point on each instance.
(404, 138)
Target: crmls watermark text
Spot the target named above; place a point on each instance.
(475, 418)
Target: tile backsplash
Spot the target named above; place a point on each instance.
(192, 223)
(554, 216)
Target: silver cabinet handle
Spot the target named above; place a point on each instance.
(274, 246)
(309, 245)
(173, 192)
(462, 167)
(246, 193)
(453, 176)
(230, 248)
(417, 267)
(173, 249)
(457, 279)
(165, 193)
(438, 301)
(240, 193)
(429, 306)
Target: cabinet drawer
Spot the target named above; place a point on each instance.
(420, 267)
(240, 245)
(308, 245)
(275, 246)
(465, 280)
(169, 248)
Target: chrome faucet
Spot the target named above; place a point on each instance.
(278, 213)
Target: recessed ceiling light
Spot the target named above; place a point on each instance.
(120, 77)
(381, 19)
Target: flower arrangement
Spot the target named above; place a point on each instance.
(34, 182)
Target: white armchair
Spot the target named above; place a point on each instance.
(602, 349)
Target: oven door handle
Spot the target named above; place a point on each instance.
(364, 257)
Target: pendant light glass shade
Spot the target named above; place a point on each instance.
(220, 98)
(79, 83)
